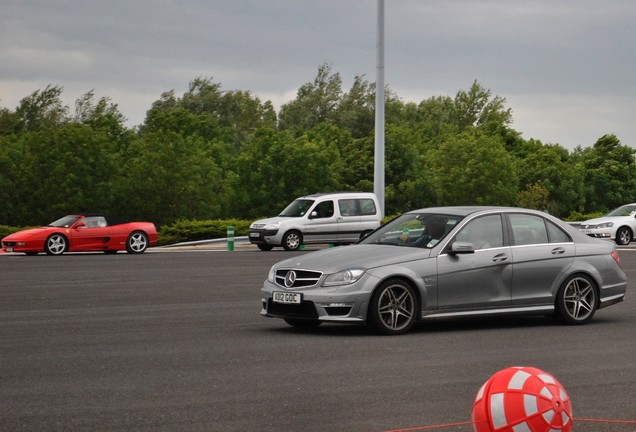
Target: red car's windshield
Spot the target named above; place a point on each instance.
(65, 222)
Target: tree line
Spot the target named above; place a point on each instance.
(215, 154)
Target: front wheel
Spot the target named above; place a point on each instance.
(292, 240)
(623, 236)
(137, 243)
(576, 300)
(55, 245)
(393, 308)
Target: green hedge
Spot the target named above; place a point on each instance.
(193, 230)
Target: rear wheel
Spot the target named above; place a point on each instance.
(137, 243)
(55, 245)
(623, 236)
(292, 240)
(393, 308)
(576, 300)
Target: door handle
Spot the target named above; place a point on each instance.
(558, 251)
(500, 257)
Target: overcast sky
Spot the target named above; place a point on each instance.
(565, 67)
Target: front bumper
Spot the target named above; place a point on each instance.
(346, 304)
(602, 233)
(261, 236)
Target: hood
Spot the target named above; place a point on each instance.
(273, 220)
(27, 233)
(368, 256)
(605, 219)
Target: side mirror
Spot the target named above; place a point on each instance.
(459, 247)
(313, 215)
(80, 225)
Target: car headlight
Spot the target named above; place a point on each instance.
(271, 226)
(345, 277)
(271, 275)
(606, 225)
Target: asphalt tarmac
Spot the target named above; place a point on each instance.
(172, 340)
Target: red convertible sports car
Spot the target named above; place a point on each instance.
(81, 233)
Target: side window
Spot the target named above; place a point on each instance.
(484, 232)
(357, 207)
(347, 207)
(528, 229)
(94, 222)
(323, 210)
(367, 207)
(557, 235)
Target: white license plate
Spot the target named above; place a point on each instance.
(9, 249)
(287, 298)
(255, 234)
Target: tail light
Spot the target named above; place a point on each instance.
(616, 258)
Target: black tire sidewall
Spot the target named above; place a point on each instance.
(374, 320)
(560, 307)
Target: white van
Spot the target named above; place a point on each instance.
(339, 217)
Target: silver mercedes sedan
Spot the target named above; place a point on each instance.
(449, 262)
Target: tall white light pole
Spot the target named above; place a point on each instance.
(378, 179)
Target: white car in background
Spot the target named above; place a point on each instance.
(618, 225)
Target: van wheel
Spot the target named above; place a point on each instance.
(292, 240)
(265, 247)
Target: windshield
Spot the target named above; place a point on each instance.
(297, 208)
(423, 230)
(626, 210)
(65, 222)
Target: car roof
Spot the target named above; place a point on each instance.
(467, 210)
(322, 194)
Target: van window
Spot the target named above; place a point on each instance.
(297, 208)
(357, 207)
(322, 210)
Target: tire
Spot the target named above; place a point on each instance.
(302, 323)
(56, 244)
(292, 240)
(577, 300)
(137, 243)
(265, 247)
(623, 236)
(393, 308)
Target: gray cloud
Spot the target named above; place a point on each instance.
(564, 67)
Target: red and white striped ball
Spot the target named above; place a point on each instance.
(522, 399)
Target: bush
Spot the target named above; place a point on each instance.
(580, 217)
(194, 230)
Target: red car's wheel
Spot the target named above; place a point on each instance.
(55, 244)
(137, 243)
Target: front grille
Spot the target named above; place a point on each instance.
(304, 310)
(301, 279)
(9, 243)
